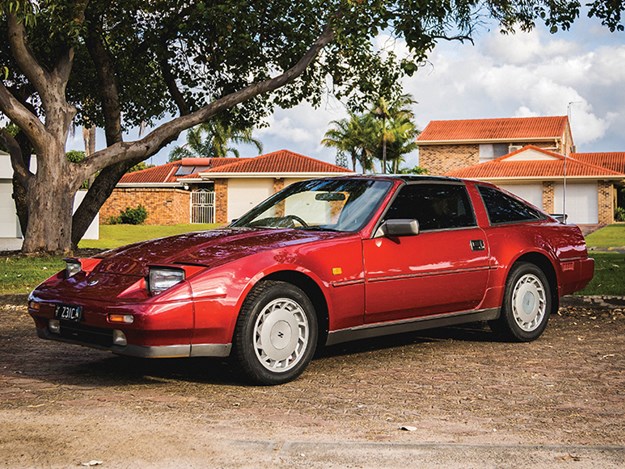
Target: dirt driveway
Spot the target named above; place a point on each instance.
(471, 402)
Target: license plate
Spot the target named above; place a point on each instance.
(68, 312)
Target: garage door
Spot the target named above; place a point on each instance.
(533, 193)
(244, 194)
(581, 202)
(8, 218)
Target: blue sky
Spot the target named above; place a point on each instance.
(525, 74)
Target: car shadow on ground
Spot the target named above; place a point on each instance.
(64, 364)
(473, 332)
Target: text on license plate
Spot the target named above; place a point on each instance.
(68, 312)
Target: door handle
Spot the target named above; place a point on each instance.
(477, 245)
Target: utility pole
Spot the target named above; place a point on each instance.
(568, 115)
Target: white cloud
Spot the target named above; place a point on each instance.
(528, 74)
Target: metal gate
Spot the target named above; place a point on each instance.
(203, 206)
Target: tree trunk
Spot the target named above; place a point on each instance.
(50, 201)
(99, 191)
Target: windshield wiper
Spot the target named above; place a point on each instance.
(318, 228)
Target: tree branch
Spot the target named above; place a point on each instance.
(17, 159)
(63, 67)
(170, 81)
(25, 58)
(167, 132)
(23, 118)
(105, 70)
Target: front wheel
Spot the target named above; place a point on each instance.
(526, 304)
(276, 333)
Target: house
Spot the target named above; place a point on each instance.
(532, 157)
(553, 182)
(212, 190)
(11, 236)
(453, 144)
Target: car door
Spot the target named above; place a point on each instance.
(443, 269)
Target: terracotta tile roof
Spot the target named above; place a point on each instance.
(166, 173)
(611, 160)
(279, 162)
(509, 129)
(157, 174)
(550, 167)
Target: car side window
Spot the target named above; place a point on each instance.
(502, 208)
(434, 206)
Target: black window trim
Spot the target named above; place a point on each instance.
(542, 216)
(431, 182)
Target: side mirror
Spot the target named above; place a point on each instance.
(399, 227)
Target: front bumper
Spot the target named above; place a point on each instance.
(102, 339)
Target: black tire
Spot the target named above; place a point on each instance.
(526, 304)
(265, 345)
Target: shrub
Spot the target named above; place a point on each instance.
(130, 216)
(619, 214)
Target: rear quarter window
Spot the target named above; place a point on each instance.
(502, 208)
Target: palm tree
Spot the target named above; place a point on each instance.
(212, 139)
(352, 136)
(397, 129)
(385, 132)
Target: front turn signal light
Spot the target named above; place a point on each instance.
(121, 318)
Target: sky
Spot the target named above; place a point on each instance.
(580, 72)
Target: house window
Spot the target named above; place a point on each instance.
(491, 151)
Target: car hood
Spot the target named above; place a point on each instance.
(206, 248)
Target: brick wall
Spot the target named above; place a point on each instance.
(439, 159)
(221, 201)
(606, 202)
(165, 206)
(548, 197)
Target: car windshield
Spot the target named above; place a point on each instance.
(324, 204)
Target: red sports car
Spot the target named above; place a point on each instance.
(321, 262)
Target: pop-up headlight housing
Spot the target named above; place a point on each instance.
(163, 278)
(72, 267)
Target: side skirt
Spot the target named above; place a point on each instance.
(409, 325)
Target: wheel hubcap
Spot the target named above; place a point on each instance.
(529, 303)
(281, 335)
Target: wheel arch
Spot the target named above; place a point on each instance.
(314, 292)
(543, 263)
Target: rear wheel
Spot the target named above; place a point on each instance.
(276, 333)
(526, 304)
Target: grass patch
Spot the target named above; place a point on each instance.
(611, 236)
(609, 276)
(113, 236)
(21, 274)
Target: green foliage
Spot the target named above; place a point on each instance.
(130, 216)
(619, 214)
(413, 170)
(140, 167)
(387, 127)
(211, 49)
(75, 156)
(212, 139)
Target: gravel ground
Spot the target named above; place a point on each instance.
(467, 400)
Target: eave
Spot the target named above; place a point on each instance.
(490, 140)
